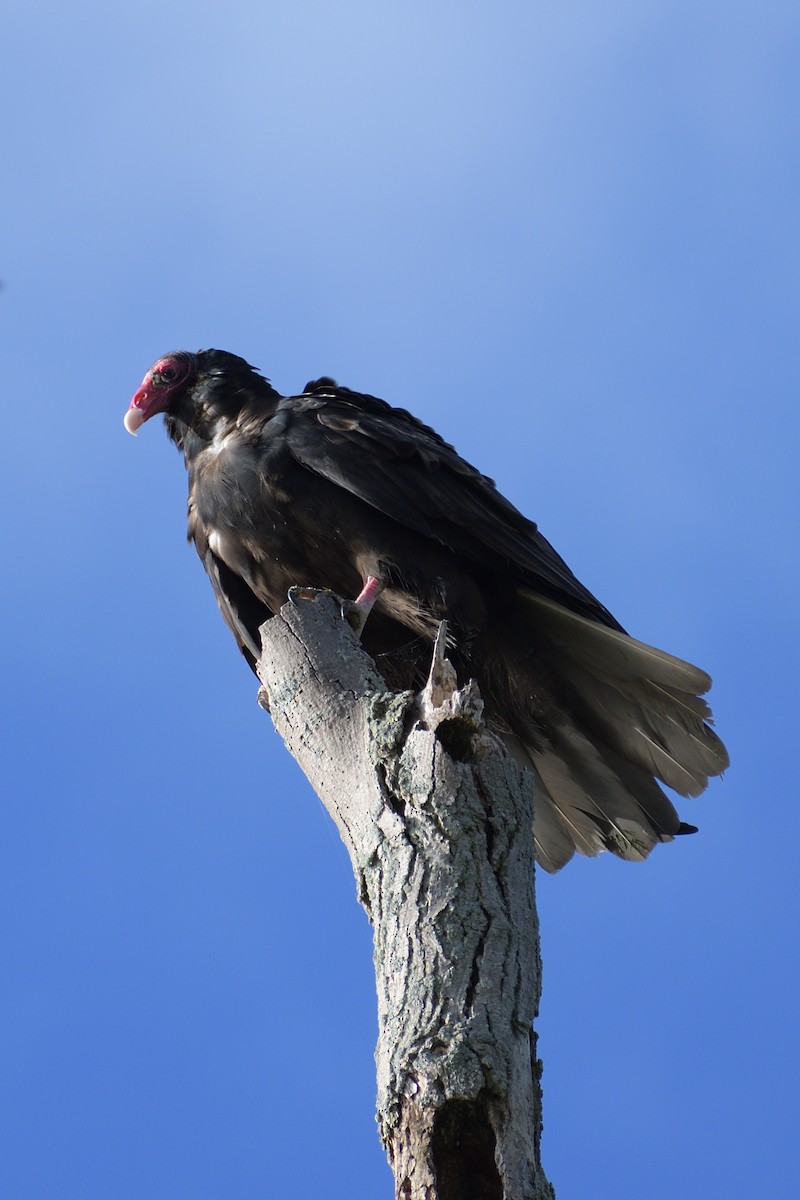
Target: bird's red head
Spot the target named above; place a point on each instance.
(162, 382)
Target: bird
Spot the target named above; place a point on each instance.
(337, 489)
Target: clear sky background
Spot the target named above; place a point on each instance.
(566, 235)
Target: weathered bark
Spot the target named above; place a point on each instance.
(437, 819)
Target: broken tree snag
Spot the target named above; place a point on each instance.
(437, 819)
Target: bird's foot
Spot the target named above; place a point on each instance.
(355, 612)
(350, 609)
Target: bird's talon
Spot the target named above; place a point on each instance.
(296, 594)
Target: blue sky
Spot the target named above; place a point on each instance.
(566, 236)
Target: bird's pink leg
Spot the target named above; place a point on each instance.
(359, 609)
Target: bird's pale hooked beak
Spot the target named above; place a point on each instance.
(134, 418)
(143, 404)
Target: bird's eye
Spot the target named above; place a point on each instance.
(165, 375)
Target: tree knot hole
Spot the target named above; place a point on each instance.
(457, 736)
(463, 1152)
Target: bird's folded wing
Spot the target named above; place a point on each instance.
(399, 466)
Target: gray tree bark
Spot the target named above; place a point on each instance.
(437, 819)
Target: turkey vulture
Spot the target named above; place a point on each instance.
(337, 489)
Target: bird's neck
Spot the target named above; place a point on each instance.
(216, 407)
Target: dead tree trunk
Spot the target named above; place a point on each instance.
(437, 819)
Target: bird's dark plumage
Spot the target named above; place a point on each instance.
(332, 488)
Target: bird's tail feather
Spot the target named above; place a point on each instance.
(586, 799)
(635, 712)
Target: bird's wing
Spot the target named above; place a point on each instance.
(394, 463)
(243, 612)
